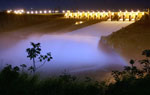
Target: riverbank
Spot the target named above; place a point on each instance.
(131, 40)
(14, 28)
(76, 51)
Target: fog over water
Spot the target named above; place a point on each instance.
(76, 51)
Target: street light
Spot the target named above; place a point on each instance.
(28, 12)
(40, 12)
(32, 12)
(45, 11)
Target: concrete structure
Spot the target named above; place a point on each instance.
(119, 16)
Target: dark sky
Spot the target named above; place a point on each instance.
(75, 4)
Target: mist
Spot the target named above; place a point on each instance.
(76, 51)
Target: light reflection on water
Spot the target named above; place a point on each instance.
(75, 51)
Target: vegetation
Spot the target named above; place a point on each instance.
(130, 81)
(35, 52)
(12, 82)
(130, 40)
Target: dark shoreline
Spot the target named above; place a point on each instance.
(130, 41)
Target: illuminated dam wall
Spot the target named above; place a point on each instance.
(119, 16)
(109, 15)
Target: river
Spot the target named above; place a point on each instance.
(75, 52)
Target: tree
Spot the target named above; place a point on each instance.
(132, 71)
(35, 52)
(146, 62)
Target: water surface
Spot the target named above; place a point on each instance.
(76, 52)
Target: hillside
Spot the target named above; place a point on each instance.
(54, 22)
(131, 40)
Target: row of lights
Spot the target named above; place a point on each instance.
(68, 13)
(42, 12)
(19, 11)
(103, 12)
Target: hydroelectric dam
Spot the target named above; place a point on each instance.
(91, 15)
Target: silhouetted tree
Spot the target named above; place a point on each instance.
(23, 66)
(35, 52)
(132, 71)
(146, 62)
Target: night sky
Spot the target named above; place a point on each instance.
(75, 4)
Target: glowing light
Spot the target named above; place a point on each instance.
(80, 14)
(91, 14)
(137, 13)
(112, 14)
(79, 22)
(70, 14)
(68, 11)
(121, 19)
(28, 12)
(56, 11)
(102, 15)
(9, 11)
(45, 12)
(40, 12)
(75, 14)
(36, 12)
(63, 11)
(132, 11)
(96, 14)
(32, 12)
(76, 23)
(86, 14)
(109, 19)
(127, 19)
(124, 13)
(50, 11)
(143, 13)
(66, 15)
(20, 11)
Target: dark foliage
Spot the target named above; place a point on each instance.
(14, 83)
(132, 81)
(35, 52)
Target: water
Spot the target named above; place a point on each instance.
(76, 51)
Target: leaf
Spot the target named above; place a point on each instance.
(23, 65)
(16, 68)
(146, 53)
(40, 60)
(45, 56)
(132, 62)
(49, 54)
